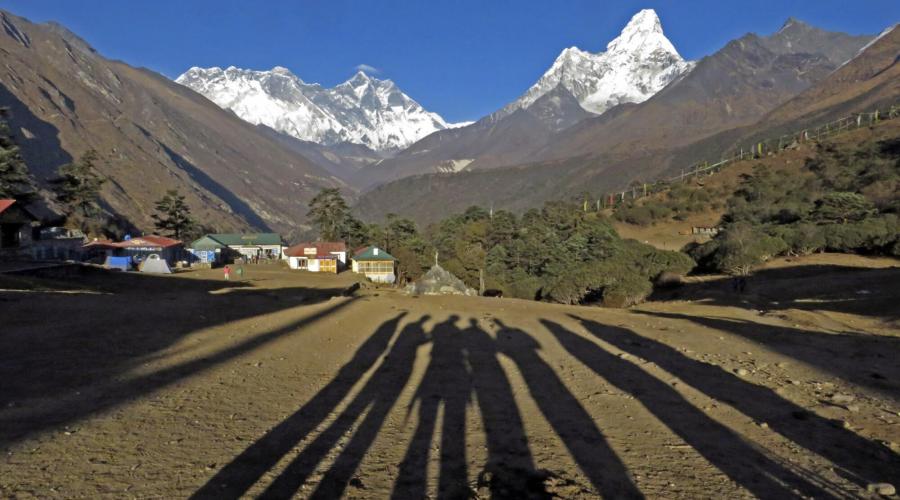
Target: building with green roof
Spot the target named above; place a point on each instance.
(376, 264)
(217, 247)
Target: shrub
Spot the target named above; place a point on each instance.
(842, 207)
(742, 247)
(801, 239)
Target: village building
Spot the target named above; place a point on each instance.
(129, 253)
(58, 243)
(210, 251)
(251, 245)
(705, 230)
(318, 257)
(16, 230)
(376, 264)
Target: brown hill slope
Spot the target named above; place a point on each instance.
(659, 151)
(152, 135)
(733, 87)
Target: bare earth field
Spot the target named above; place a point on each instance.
(123, 386)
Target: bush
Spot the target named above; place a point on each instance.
(702, 253)
(626, 291)
(870, 235)
(742, 247)
(801, 239)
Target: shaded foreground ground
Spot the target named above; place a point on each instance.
(283, 385)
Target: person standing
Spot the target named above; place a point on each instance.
(227, 273)
(240, 273)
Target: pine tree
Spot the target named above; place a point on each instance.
(173, 215)
(329, 212)
(77, 187)
(15, 182)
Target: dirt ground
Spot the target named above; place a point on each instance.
(284, 384)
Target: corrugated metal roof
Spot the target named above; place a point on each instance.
(140, 241)
(4, 204)
(237, 239)
(369, 253)
(322, 249)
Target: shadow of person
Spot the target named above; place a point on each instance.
(510, 471)
(446, 383)
(865, 360)
(568, 418)
(375, 400)
(859, 459)
(718, 444)
(246, 469)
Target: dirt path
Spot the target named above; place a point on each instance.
(280, 386)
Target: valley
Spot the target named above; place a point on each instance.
(461, 250)
(281, 385)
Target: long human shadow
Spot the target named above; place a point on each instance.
(866, 360)
(60, 374)
(569, 419)
(510, 470)
(235, 478)
(863, 291)
(861, 460)
(463, 366)
(376, 399)
(721, 446)
(446, 383)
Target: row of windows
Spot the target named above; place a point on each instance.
(376, 267)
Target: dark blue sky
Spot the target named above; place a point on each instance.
(462, 58)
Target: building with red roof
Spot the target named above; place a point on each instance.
(318, 256)
(17, 226)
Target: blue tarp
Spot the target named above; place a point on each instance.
(121, 263)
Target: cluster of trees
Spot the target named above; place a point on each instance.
(846, 199)
(558, 253)
(15, 181)
(677, 202)
(76, 190)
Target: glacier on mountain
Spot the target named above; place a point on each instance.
(362, 110)
(636, 64)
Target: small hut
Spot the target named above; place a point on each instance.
(376, 264)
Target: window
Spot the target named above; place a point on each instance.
(376, 267)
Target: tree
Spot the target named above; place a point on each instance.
(330, 214)
(77, 188)
(741, 247)
(843, 206)
(15, 182)
(173, 215)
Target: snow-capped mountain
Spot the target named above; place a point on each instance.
(636, 65)
(362, 110)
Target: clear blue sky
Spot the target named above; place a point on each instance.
(462, 58)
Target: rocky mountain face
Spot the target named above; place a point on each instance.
(151, 135)
(731, 88)
(725, 98)
(636, 64)
(579, 85)
(363, 110)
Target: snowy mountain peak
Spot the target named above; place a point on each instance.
(636, 64)
(362, 110)
(642, 35)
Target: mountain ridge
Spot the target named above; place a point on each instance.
(362, 110)
(151, 135)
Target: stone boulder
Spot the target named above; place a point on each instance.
(439, 281)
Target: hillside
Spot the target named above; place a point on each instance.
(611, 157)
(151, 134)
